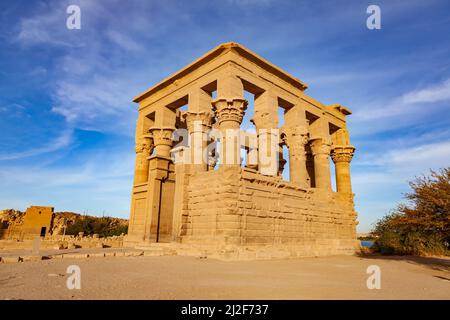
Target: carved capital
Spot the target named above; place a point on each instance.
(198, 121)
(295, 139)
(230, 109)
(263, 120)
(320, 147)
(144, 145)
(162, 136)
(342, 153)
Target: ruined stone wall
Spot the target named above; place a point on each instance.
(37, 220)
(237, 206)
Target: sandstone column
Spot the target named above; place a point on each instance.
(229, 108)
(342, 154)
(161, 179)
(296, 138)
(281, 161)
(182, 179)
(144, 147)
(198, 124)
(265, 120)
(321, 152)
(162, 140)
(310, 166)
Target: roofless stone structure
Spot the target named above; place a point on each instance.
(201, 180)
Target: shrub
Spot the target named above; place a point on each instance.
(104, 226)
(423, 226)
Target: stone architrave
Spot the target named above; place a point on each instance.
(226, 211)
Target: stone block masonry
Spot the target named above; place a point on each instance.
(193, 187)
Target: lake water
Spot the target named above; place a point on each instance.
(366, 243)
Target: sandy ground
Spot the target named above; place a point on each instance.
(177, 277)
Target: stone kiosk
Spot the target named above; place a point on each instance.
(191, 185)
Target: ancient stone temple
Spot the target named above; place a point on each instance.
(202, 180)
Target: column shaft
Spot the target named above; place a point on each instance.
(143, 150)
(296, 138)
(321, 153)
(265, 120)
(198, 124)
(342, 155)
(229, 113)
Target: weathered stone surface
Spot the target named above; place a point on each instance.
(97, 255)
(31, 258)
(11, 259)
(249, 207)
(76, 256)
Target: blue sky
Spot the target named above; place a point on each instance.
(67, 120)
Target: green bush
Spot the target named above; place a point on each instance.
(423, 226)
(104, 226)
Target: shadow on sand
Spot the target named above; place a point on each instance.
(435, 263)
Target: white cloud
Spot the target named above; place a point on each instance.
(92, 170)
(412, 159)
(439, 92)
(60, 142)
(123, 40)
(92, 86)
(100, 180)
(47, 27)
(406, 105)
(382, 177)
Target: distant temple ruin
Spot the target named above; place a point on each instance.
(201, 180)
(36, 222)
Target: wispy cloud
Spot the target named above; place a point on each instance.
(60, 142)
(412, 109)
(382, 177)
(92, 183)
(412, 159)
(406, 104)
(438, 92)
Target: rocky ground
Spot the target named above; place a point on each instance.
(178, 277)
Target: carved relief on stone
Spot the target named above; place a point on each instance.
(230, 109)
(342, 153)
(162, 136)
(144, 145)
(198, 121)
(263, 120)
(320, 147)
(295, 139)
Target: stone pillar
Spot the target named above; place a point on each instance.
(310, 167)
(198, 124)
(181, 161)
(144, 148)
(252, 158)
(265, 120)
(342, 154)
(161, 178)
(296, 138)
(321, 151)
(229, 113)
(281, 161)
(229, 108)
(162, 140)
(249, 142)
